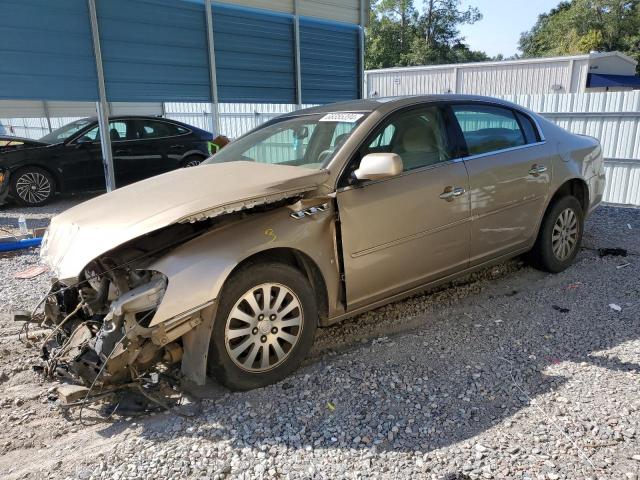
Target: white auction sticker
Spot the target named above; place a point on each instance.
(342, 117)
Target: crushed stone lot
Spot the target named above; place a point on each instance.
(509, 373)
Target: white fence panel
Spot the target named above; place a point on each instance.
(612, 117)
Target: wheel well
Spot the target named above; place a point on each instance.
(576, 188)
(301, 262)
(56, 181)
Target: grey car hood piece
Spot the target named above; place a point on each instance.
(92, 228)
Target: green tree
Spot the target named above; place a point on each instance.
(580, 26)
(399, 35)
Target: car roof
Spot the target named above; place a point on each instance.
(391, 103)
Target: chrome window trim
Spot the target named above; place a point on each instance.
(504, 150)
(133, 119)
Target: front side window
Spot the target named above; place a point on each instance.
(487, 128)
(418, 136)
(63, 133)
(118, 130)
(307, 141)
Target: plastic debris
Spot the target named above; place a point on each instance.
(626, 264)
(331, 406)
(31, 272)
(615, 307)
(573, 286)
(560, 309)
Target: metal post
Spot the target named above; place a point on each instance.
(213, 77)
(102, 106)
(45, 108)
(296, 43)
(363, 22)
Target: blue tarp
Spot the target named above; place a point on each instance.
(601, 80)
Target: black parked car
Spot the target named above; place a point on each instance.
(70, 159)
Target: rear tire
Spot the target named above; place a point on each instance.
(192, 161)
(256, 343)
(560, 236)
(32, 186)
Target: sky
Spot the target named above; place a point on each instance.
(503, 22)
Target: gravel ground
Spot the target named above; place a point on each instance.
(510, 373)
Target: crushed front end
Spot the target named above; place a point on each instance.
(101, 325)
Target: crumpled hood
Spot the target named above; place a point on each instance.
(86, 231)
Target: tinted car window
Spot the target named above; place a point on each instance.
(418, 136)
(530, 131)
(119, 130)
(487, 128)
(153, 129)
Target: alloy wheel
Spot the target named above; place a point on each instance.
(193, 163)
(33, 187)
(263, 327)
(565, 234)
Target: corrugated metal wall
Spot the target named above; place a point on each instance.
(46, 50)
(154, 50)
(539, 76)
(254, 55)
(339, 10)
(327, 54)
(158, 50)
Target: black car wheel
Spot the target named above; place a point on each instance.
(192, 161)
(32, 186)
(264, 326)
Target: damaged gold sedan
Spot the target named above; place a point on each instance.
(228, 268)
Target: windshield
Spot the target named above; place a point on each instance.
(308, 141)
(62, 133)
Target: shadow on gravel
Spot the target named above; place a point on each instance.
(463, 371)
(457, 371)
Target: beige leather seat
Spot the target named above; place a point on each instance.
(418, 147)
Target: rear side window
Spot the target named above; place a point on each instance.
(148, 129)
(488, 129)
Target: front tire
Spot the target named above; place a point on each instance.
(32, 186)
(560, 236)
(264, 326)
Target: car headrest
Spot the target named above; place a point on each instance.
(419, 139)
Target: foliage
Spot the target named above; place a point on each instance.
(400, 35)
(581, 26)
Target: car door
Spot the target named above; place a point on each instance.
(81, 163)
(410, 229)
(509, 177)
(160, 147)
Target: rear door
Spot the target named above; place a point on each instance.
(509, 177)
(161, 146)
(407, 230)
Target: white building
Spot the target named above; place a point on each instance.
(572, 74)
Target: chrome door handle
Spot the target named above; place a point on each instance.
(537, 170)
(452, 192)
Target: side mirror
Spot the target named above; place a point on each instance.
(376, 166)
